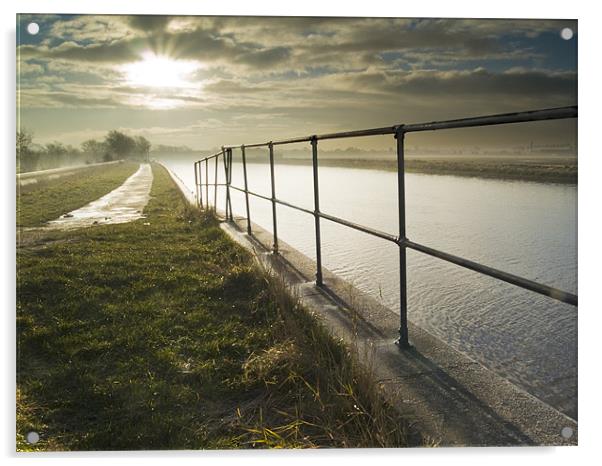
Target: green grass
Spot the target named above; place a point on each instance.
(163, 334)
(49, 199)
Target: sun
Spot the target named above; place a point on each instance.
(159, 71)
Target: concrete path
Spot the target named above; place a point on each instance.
(123, 204)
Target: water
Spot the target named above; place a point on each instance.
(525, 228)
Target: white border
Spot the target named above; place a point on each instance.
(590, 177)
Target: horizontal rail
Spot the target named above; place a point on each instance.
(332, 218)
(278, 201)
(400, 240)
(209, 157)
(355, 226)
(500, 119)
(261, 196)
(559, 295)
(292, 206)
(521, 282)
(487, 120)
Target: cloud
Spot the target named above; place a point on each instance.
(265, 57)
(475, 82)
(272, 74)
(113, 52)
(297, 43)
(148, 23)
(231, 86)
(35, 98)
(428, 85)
(27, 68)
(88, 28)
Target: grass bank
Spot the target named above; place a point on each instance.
(541, 169)
(50, 198)
(163, 334)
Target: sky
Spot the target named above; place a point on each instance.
(205, 82)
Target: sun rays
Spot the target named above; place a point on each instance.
(166, 81)
(160, 71)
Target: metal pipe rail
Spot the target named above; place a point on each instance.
(499, 119)
(399, 132)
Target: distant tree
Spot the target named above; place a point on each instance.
(27, 158)
(165, 149)
(142, 146)
(119, 145)
(73, 152)
(54, 154)
(24, 140)
(55, 149)
(95, 150)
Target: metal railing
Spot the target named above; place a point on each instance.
(399, 132)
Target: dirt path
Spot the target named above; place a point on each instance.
(123, 204)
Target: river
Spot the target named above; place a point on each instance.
(525, 228)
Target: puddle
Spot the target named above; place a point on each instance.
(123, 204)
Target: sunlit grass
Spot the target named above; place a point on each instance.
(163, 334)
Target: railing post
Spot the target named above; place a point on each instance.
(244, 170)
(215, 185)
(230, 182)
(200, 186)
(275, 247)
(196, 182)
(403, 341)
(314, 158)
(224, 152)
(207, 183)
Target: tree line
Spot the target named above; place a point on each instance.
(115, 146)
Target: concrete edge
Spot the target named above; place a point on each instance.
(188, 194)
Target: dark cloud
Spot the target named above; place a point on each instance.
(229, 86)
(200, 44)
(476, 82)
(295, 42)
(69, 99)
(427, 86)
(116, 52)
(387, 35)
(148, 23)
(265, 57)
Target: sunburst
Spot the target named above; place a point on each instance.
(160, 71)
